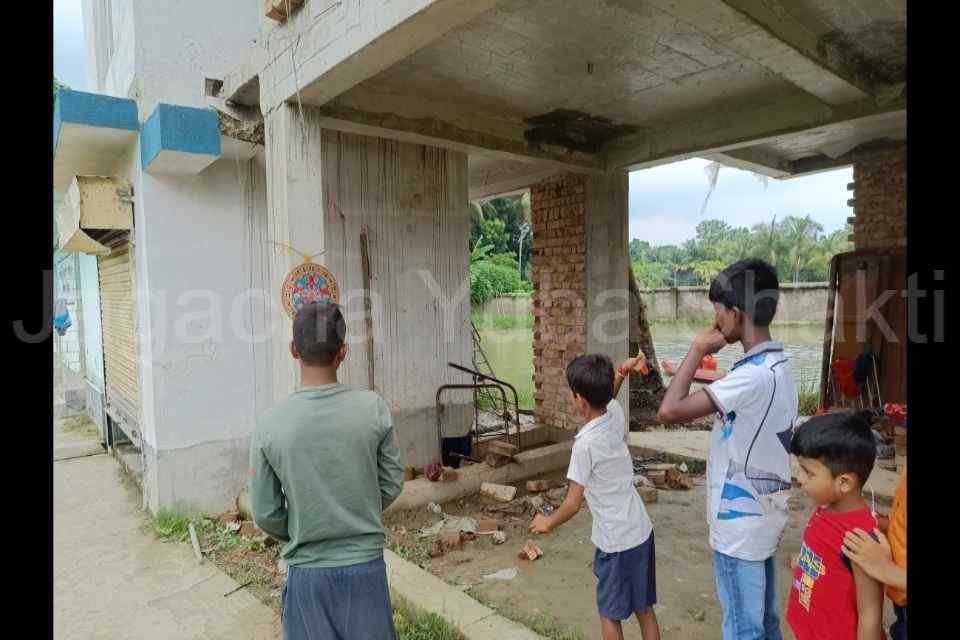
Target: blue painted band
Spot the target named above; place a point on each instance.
(92, 109)
(176, 128)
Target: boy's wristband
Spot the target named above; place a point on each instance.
(622, 371)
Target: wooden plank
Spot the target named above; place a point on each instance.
(828, 333)
(367, 311)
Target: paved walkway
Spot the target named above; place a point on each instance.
(113, 580)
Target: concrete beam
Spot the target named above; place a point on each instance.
(774, 40)
(800, 56)
(755, 160)
(330, 47)
(495, 142)
(485, 187)
(817, 164)
(726, 130)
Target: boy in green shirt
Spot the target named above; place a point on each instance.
(324, 464)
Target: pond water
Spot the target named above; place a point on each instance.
(510, 352)
(802, 343)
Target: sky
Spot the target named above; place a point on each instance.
(665, 201)
(69, 53)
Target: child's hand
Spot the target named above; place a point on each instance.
(871, 555)
(793, 560)
(710, 341)
(540, 524)
(638, 364)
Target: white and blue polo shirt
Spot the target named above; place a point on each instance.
(748, 467)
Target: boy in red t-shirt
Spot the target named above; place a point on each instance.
(832, 599)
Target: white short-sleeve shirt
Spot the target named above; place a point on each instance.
(748, 467)
(601, 462)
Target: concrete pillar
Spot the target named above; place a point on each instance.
(581, 293)
(880, 201)
(324, 188)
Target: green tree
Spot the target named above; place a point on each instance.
(505, 223)
(801, 236)
(796, 246)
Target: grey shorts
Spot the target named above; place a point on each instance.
(338, 603)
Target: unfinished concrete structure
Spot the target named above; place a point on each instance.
(265, 124)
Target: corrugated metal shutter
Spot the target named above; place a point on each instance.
(120, 358)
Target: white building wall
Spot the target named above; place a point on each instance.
(196, 250)
(178, 44)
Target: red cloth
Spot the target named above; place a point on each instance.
(823, 599)
(843, 374)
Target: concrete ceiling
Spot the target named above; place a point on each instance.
(778, 86)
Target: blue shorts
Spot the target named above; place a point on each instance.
(627, 581)
(338, 603)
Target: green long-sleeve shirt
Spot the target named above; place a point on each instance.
(332, 453)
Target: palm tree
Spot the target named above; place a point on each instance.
(829, 246)
(801, 236)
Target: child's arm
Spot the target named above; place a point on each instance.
(628, 366)
(571, 505)
(869, 605)
(678, 405)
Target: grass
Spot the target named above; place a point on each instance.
(540, 622)
(418, 553)
(501, 322)
(809, 393)
(81, 425)
(414, 624)
(170, 526)
(251, 565)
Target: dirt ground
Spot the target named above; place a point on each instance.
(561, 584)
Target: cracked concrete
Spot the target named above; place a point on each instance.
(114, 580)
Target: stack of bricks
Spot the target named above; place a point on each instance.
(558, 263)
(880, 201)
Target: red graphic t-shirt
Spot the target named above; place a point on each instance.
(823, 598)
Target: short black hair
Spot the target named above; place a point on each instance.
(843, 441)
(318, 332)
(749, 285)
(590, 376)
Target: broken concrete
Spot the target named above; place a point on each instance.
(501, 492)
(417, 493)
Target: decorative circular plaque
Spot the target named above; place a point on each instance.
(308, 282)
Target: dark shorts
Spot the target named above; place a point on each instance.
(339, 603)
(627, 581)
(898, 630)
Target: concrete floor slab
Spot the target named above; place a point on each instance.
(114, 580)
(696, 444)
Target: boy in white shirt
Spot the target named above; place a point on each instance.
(601, 469)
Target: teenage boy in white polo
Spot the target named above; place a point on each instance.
(748, 467)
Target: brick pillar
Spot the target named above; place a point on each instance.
(581, 299)
(880, 201)
(558, 264)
